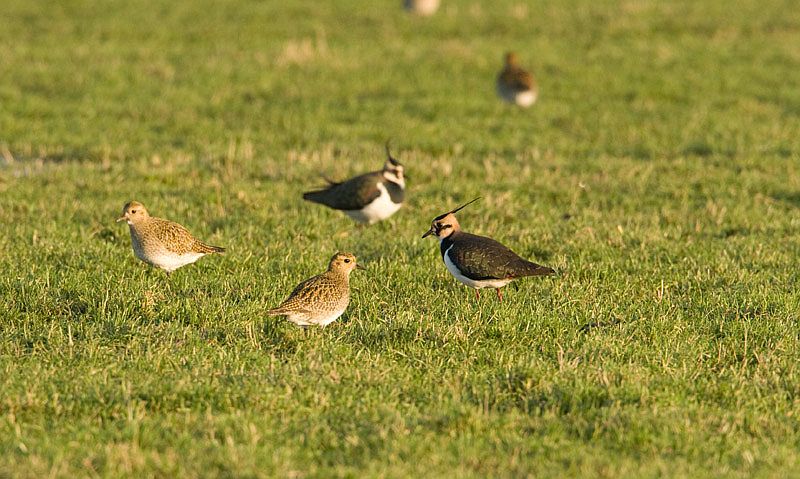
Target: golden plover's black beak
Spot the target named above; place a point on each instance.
(121, 218)
(428, 233)
(359, 266)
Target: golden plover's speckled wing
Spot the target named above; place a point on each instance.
(178, 239)
(321, 292)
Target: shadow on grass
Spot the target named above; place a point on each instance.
(791, 198)
(278, 339)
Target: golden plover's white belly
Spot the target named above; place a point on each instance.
(305, 319)
(156, 255)
(381, 208)
(169, 262)
(524, 98)
(472, 283)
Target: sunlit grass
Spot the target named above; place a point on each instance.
(658, 174)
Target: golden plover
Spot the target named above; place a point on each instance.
(367, 198)
(162, 243)
(515, 85)
(323, 298)
(477, 261)
(422, 8)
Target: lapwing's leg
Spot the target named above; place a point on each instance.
(499, 294)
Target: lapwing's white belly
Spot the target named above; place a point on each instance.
(381, 208)
(521, 98)
(477, 284)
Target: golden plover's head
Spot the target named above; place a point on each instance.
(444, 225)
(133, 212)
(392, 169)
(512, 59)
(344, 262)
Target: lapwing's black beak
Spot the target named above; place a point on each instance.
(428, 233)
(359, 266)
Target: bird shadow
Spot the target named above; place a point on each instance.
(276, 339)
(789, 197)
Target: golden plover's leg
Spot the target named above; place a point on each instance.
(499, 294)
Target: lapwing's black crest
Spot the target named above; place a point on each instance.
(441, 217)
(366, 198)
(390, 158)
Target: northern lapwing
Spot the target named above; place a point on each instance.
(367, 198)
(515, 85)
(160, 242)
(322, 299)
(477, 261)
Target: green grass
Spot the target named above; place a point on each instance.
(659, 173)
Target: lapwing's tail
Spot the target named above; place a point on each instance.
(315, 196)
(533, 269)
(208, 249)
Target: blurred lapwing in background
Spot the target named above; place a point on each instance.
(367, 198)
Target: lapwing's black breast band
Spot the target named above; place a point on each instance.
(445, 244)
(396, 193)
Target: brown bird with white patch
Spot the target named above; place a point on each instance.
(322, 299)
(160, 242)
(516, 85)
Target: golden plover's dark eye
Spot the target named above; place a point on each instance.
(347, 261)
(133, 212)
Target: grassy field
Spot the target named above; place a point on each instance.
(659, 174)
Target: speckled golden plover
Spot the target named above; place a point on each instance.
(477, 261)
(322, 299)
(515, 85)
(367, 198)
(162, 243)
